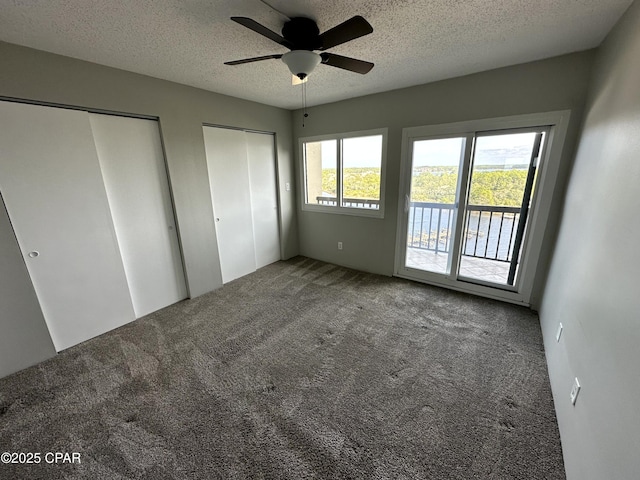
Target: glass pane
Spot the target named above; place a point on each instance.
(361, 172)
(320, 172)
(434, 180)
(498, 179)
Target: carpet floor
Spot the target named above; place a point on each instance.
(300, 370)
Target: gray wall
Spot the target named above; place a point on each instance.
(24, 338)
(554, 84)
(39, 76)
(593, 282)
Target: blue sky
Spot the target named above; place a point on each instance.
(357, 152)
(365, 151)
(447, 151)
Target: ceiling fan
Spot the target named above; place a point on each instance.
(302, 36)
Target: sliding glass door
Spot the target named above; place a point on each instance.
(431, 204)
(467, 204)
(501, 184)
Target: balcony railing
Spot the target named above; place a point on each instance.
(430, 226)
(350, 202)
(490, 230)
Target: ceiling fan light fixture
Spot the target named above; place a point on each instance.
(301, 62)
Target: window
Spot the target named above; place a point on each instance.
(345, 173)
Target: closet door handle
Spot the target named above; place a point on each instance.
(217, 219)
(33, 254)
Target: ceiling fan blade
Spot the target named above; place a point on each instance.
(254, 59)
(346, 63)
(262, 30)
(353, 28)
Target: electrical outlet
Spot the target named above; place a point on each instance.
(575, 390)
(339, 245)
(559, 332)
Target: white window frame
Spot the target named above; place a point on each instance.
(339, 209)
(557, 123)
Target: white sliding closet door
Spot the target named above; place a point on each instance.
(243, 189)
(135, 177)
(229, 179)
(52, 186)
(264, 199)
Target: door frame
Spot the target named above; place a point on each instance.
(558, 122)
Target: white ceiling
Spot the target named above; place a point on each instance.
(413, 41)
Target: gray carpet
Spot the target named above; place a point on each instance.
(301, 370)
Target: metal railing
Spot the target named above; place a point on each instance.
(490, 230)
(430, 226)
(349, 202)
(494, 234)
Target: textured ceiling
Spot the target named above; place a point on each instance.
(413, 42)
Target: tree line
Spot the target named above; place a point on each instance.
(435, 184)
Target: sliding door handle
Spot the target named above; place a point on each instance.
(407, 204)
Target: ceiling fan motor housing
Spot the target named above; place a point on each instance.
(303, 33)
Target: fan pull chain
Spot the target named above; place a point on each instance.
(304, 103)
